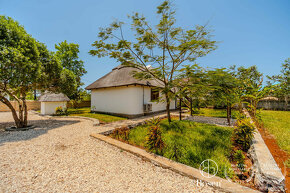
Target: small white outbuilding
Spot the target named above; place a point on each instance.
(50, 101)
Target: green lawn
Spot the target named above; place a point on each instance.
(221, 113)
(193, 142)
(85, 112)
(278, 124)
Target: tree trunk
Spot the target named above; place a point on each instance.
(228, 113)
(25, 113)
(35, 95)
(13, 111)
(20, 113)
(191, 112)
(180, 109)
(168, 107)
(286, 103)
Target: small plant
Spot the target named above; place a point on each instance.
(239, 116)
(244, 133)
(240, 159)
(258, 119)
(58, 110)
(121, 133)
(154, 142)
(61, 111)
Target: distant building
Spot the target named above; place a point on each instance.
(50, 101)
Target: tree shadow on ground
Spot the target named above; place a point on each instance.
(42, 127)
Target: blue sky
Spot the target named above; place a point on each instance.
(251, 32)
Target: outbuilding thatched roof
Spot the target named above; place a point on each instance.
(53, 97)
(121, 76)
(269, 98)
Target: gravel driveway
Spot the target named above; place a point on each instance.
(59, 156)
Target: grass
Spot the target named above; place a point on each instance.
(221, 113)
(278, 124)
(192, 142)
(86, 112)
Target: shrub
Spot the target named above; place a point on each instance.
(61, 111)
(240, 159)
(154, 142)
(244, 133)
(121, 133)
(238, 115)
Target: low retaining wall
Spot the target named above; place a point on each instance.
(267, 175)
(31, 105)
(35, 105)
(273, 105)
(79, 105)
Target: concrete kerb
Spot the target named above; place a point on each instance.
(182, 169)
(267, 175)
(217, 182)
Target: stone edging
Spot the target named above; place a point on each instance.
(267, 175)
(96, 122)
(182, 169)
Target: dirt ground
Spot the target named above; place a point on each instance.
(279, 155)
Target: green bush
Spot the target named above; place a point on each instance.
(121, 133)
(244, 133)
(239, 157)
(61, 111)
(154, 142)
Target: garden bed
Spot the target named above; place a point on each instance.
(191, 143)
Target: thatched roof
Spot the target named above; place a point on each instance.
(53, 97)
(269, 98)
(121, 76)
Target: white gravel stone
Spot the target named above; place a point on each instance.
(59, 156)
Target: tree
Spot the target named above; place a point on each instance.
(25, 64)
(250, 87)
(225, 87)
(157, 53)
(281, 82)
(192, 84)
(248, 78)
(67, 53)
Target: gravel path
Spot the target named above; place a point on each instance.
(59, 156)
(210, 120)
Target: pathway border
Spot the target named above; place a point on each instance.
(267, 174)
(193, 173)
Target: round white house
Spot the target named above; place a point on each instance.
(50, 101)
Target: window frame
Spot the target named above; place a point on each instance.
(154, 94)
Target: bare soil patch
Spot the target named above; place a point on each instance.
(279, 155)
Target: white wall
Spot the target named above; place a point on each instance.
(156, 106)
(48, 108)
(124, 100)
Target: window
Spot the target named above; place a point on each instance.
(154, 94)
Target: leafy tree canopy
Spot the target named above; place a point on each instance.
(157, 52)
(67, 53)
